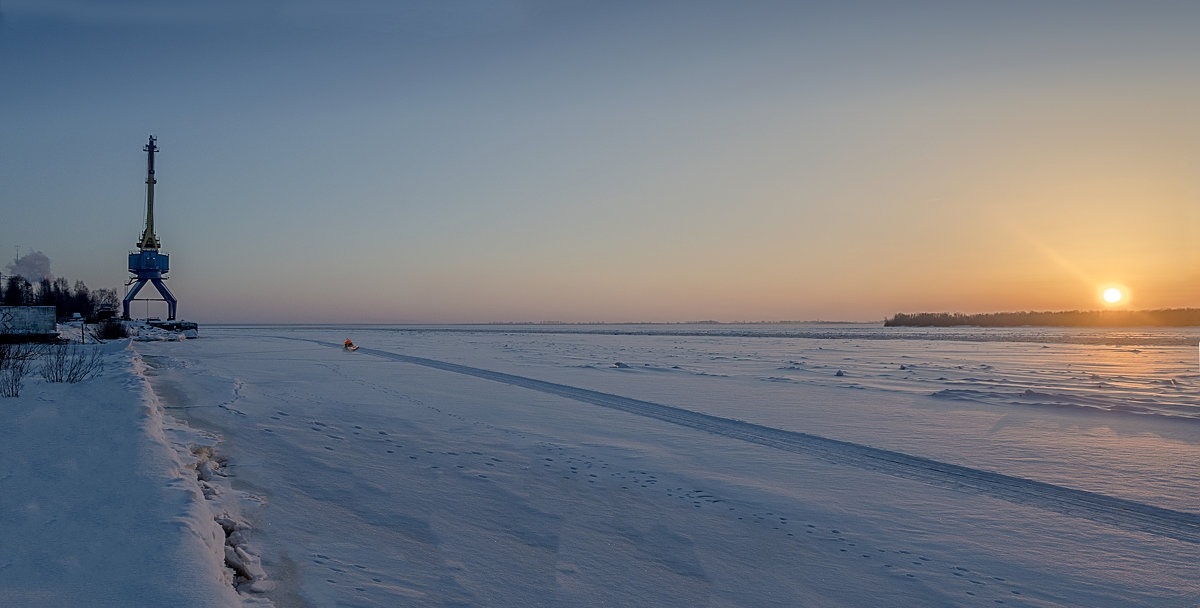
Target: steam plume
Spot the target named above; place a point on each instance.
(33, 267)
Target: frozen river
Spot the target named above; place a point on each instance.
(686, 465)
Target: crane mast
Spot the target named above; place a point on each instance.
(149, 240)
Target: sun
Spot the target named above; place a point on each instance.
(1112, 295)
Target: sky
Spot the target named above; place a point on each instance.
(452, 161)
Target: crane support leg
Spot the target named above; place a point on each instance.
(166, 294)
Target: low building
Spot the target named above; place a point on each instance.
(28, 323)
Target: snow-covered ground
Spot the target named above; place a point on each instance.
(613, 466)
(98, 505)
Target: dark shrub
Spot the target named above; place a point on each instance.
(112, 330)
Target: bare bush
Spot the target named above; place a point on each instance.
(71, 363)
(15, 363)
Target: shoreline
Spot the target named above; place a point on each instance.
(1101, 319)
(101, 505)
(199, 453)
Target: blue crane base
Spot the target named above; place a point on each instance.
(162, 289)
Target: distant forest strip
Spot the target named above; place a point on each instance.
(16, 290)
(1169, 317)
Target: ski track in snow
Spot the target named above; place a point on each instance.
(1093, 506)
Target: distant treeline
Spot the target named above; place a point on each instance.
(59, 293)
(1170, 317)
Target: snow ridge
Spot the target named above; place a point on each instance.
(1064, 399)
(227, 530)
(1100, 508)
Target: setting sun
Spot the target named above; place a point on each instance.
(1112, 295)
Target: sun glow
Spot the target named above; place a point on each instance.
(1112, 295)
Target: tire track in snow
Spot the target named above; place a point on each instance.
(1101, 508)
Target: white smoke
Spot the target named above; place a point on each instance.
(33, 267)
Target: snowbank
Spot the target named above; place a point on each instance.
(101, 505)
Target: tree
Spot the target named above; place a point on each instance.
(81, 301)
(45, 293)
(18, 292)
(62, 298)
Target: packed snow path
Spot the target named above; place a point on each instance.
(1127, 514)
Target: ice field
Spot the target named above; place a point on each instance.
(696, 465)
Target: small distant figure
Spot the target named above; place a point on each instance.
(349, 345)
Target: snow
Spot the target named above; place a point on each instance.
(97, 507)
(501, 466)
